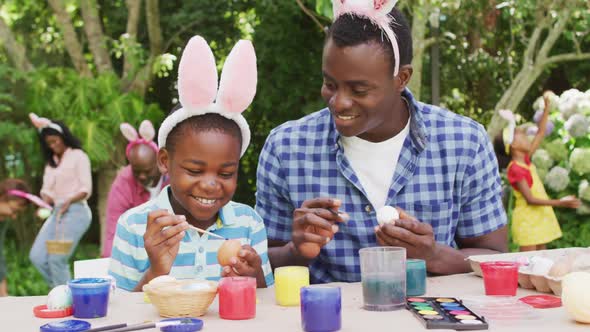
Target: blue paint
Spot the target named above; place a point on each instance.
(415, 277)
(186, 325)
(72, 325)
(321, 309)
(90, 297)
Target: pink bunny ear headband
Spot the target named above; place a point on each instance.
(30, 197)
(375, 10)
(146, 135)
(42, 123)
(197, 86)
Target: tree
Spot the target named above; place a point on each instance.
(567, 20)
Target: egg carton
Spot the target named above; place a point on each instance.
(527, 278)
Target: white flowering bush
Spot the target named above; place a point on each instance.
(577, 125)
(557, 150)
(580, 161)
(568, 146)
(542, 159)
(584, 190)
(557, 179)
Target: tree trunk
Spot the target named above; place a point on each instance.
(70, 39)
(145, 75)
(16, 52)
(96, 38)
(421, 13)
(133, 9)
(106, 176)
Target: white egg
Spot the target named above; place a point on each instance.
(387, 214)
(60, 297)
(540, 265)
(575, 295)
(162, 279)
(196, 286)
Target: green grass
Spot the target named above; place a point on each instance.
(24, 279)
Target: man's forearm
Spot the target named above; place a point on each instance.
(449, 260)
(285, 255)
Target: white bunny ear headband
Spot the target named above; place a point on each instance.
(508, 131)
(197, 86)
(146, 135)
(42, 123)
(375, 10)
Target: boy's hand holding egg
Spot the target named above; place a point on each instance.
(162, 238)
(407, 232)
(238, 260)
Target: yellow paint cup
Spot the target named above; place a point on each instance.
(288, 283)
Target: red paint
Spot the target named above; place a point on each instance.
(416, 299)
(237, 298)
(542, 301)
(460, 312)
(500, 278)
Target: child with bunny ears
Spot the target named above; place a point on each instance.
(200, 148)
(137, 182)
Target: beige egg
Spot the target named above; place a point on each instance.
(228, 250)
(576, 296)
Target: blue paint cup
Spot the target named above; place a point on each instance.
(321, 308)
(415, 277)
(90, 297)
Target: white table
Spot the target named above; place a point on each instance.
(16, 312)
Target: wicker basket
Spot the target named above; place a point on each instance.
(172, 300)
(58, 247)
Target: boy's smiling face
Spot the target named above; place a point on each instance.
(203, 170)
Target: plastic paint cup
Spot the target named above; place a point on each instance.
(90, 297)
(321, 308)
(237, 298)
(383, 277)
(500, 278)
(288, 283)
(415, 277)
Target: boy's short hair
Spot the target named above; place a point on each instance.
(352, 30)
(202, 123)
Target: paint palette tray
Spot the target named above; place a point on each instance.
(445, 313)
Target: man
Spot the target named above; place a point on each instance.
(321, 179)
(134, 185)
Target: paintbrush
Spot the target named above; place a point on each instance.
(135, 327)
(341, 214)
(206, 232)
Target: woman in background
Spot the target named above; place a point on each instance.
(67, 184)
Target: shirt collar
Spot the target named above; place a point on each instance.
(418, 133)
(226, 213)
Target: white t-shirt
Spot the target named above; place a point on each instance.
(155, 190)
(375, 163)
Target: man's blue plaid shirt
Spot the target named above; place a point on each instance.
(446, 176)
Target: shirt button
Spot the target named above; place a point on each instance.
(201, 249)
(199, 269)
(368, 208)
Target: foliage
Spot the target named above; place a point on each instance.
(93, 108)
(24, 279)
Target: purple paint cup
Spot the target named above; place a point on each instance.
(321, 308)
(90, 297)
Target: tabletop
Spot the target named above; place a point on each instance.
(16, 313)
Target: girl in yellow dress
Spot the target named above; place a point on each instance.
(533, 221)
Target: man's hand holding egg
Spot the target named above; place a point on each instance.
(405, 231)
